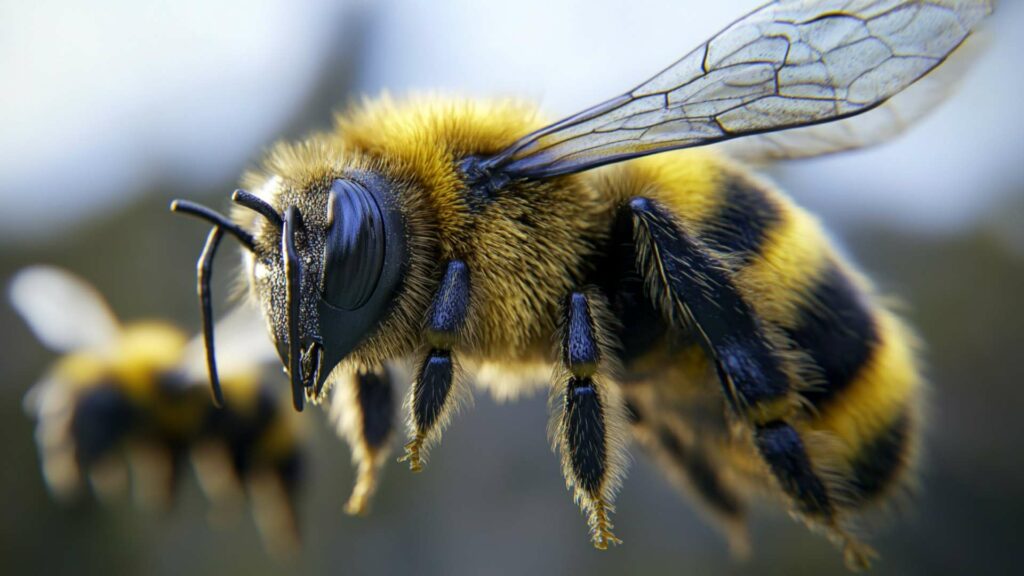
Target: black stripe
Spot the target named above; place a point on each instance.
(876, 465)
(837, 330)
(100, 419)
(702, 475)
(744, 220)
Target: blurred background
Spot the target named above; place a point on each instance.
(111, 108)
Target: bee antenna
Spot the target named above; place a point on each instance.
(204, 270)
(259, 205)
(215, 218)
(293, 271)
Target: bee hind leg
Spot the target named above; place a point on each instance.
(431, 401)
(693, 288)
(589, 427)
(683, 456)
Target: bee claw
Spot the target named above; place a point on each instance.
(413, 454)
(858, 556)
(359, 502)
(356, 505)
(602, 527)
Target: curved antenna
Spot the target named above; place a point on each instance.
(204, 269)
(259, 205)
(293, 270)
(215, 218)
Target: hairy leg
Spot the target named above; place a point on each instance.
(362, 406)
(432, 399)
(687, 456)
(589, 426)
(694, 290)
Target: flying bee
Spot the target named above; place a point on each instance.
(136, 394)
(696, 308)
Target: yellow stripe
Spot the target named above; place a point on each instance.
(688, 182)
(792, 256)
(880, 393)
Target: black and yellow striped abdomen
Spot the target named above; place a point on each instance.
(856, 383)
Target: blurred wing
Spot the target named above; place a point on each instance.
(792, 63)
(871, 128)
(63, 311)
(242, 344)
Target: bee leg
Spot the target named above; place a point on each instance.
(273, 507)
(363, 408)
(694, 289)
(692, 469)
(431, 401)
(590, 429)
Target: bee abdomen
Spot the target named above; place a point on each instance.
(854, 357)
(835, 327)
(880, 462)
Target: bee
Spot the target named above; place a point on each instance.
(136, 394)
(664, 292)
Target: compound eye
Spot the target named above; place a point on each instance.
(355, 246)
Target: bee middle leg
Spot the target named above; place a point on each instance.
(589, 428)
(431, 399)
(693, 288)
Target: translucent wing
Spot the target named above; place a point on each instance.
(62, 310)
(871, 128)
(242, 346)
(792, 63)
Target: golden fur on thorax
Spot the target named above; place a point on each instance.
(526, 249)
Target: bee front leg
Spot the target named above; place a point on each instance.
(694, 289)
(431, 400)
(590, 427)
(363, 408)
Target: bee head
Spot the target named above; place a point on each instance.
(326, 268)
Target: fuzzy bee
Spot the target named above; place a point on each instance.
(663, 292)
(136, 394)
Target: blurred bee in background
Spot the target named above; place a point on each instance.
(694, 307)
(131, 401)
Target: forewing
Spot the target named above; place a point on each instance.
(63, 311)
(872, 128)
(792, 63)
